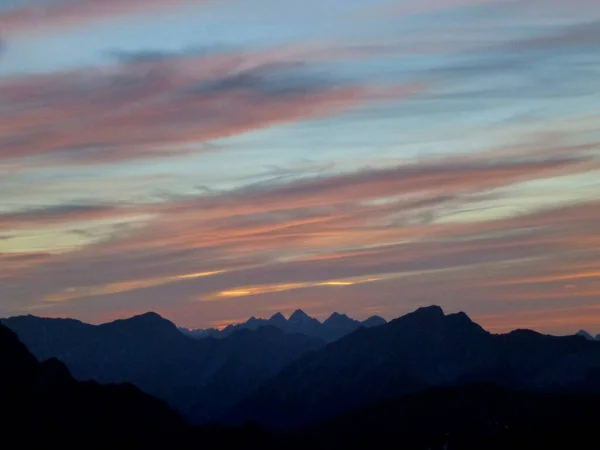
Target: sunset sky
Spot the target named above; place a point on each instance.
(215, 159)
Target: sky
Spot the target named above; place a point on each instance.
(216, 159)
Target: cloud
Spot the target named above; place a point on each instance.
(40, 16)
(466, 266)
(397, 9)
(409, 8)
(583, 34)
(57, 214)
(382, 234)
(164, 107)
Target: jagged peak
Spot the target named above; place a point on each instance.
(434, 315)
(461, 316)
(338, 318)
(278, 319)
(374, 321)
(300, 317)
(299, 314)
(374, 317)
(336, 314)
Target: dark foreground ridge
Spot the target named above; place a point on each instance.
(43, 399)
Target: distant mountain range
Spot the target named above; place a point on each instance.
(335, 327)
(284, 379)
(199, 378)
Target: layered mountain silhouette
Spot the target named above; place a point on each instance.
(420, 350)
(199, 378)
(43, 405)
(288, 381)
(43, 398)
(335, 327)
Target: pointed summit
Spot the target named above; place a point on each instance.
(339, 319)
(299, 316)
(460, 317)
(278, 319)
(302, 323)
(373, 321)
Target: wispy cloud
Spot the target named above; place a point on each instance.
(152, 108)
(45, 16)
(40, 217)
(370, 228)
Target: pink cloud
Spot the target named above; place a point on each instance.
(77, 13)
(146, 109)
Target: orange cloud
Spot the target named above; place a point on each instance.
(76, 293)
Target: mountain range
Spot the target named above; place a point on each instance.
(288, 381)
(420, 350)
(43, 405)
(333, 328)
(199, 378)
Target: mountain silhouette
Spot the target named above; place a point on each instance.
(199, 378)
(585, 335)
(420, 350)
(426, 380)
(333, 328)
(43, 398)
